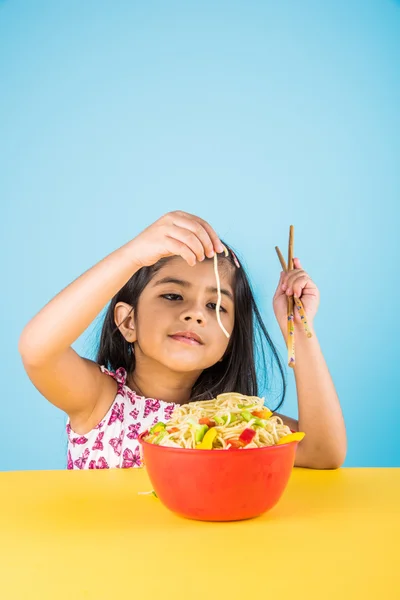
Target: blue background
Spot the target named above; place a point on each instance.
(252, 114)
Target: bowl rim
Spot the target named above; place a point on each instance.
(231, 450)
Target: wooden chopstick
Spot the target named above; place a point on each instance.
(281, 259)
(297, 301)
(291, 299)
(290, 312)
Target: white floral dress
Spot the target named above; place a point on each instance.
(114, 443)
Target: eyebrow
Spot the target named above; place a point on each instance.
(187, 284)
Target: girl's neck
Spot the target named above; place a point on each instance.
(156, 381)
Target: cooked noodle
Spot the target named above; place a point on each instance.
(229, 415)
(218, 306)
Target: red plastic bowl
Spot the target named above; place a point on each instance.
(219, 485)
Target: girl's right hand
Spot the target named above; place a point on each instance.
(175, 234)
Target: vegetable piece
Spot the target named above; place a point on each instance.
(259, 422)
(247, 416)
(173, 430)
(206, 421)
(263, 414)
(208, 440)
(229, 418)
(219, 420)
(157, 427)
(246, 436)
(291, 437)
(200, 433)
(234, 444)
(160, 436)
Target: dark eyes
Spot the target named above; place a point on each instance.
(175, 297)
(171, 296)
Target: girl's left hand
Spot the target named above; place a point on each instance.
(299, 283)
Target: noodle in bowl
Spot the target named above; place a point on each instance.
(224, 459)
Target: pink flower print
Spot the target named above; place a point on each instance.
(134, 413)
(131, 396)
(131, 459)
(81, 462)
(117, 413)
(151, 406)
(168, 410)
(79, 440)
(68, 429)
(100, 425)
(98, 444)
(101, 464)
(134, 431)
(116, 444)
(70, 463)
(120, 375)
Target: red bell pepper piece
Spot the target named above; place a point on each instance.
(246, 436)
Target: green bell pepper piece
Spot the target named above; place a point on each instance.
(200, 432)
(247, 416)
(157, 427)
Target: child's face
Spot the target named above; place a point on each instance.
(181, 298)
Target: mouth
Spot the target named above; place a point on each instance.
(187, 337)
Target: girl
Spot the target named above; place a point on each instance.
(161, 344)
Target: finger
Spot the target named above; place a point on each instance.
(296, 287)
(294, 283)
(193, 225)
(186, 236)
(290, 276)
(297, 264)
(215, 240)
(217, 244)
(178, 248)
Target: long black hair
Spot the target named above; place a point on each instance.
(247, 351)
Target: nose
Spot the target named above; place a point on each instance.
(195, 314)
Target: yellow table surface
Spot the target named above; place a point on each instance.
(88, 534)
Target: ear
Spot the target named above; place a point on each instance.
(124, 318)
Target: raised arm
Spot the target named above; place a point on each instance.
(75, 384)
